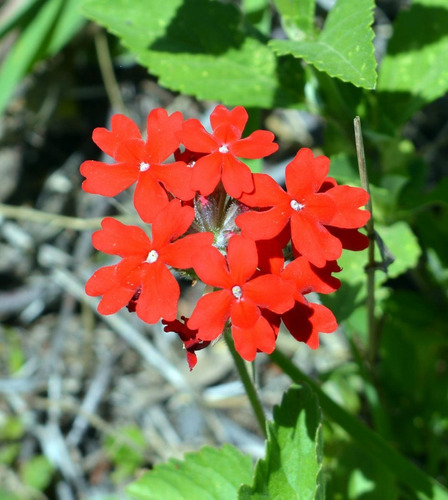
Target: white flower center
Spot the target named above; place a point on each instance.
(295, 205)
(223, 149)
(144, 166)
(152, 257)
(237, 292)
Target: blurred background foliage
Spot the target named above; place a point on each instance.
(305, 69)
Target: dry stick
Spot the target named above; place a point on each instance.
(62, 221)
(370, 268)
(107, 72)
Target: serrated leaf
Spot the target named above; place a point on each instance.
(414, 71)
(292, 466)
(202, 48)
(297, 17)
(211, 473)
(344, 48)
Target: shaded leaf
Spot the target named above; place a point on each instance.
(414, 71)
(202, 48)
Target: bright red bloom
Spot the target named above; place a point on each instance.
(240, 298)
(223, 147)
(140, 161)
(143, 274)
(188, 337)
(307, 210)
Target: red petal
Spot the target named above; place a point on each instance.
(107, 180)
(112, 282)
(207, 173)
(160, 294)
(182, 253)
(210, 314)
(132, 151)
(192, 359)
(321, 206)
(347, 200)
(309, 278)
(163, 134)
(226, 134)
(242, 258)
(262, 225)
(305, 174)
(170, 223)
(258, 145)
(212, 269)
(313, 241)
(114, 299)
(196, 138)
(244, 313)
(351, 239)
(122, 128)
(116, 238)
(150, 197)
(236, 176)
(260, 337)
(305, 321)
(176, 177)
(271, 292)
(270, 256)
(237, 117)
(266, 193)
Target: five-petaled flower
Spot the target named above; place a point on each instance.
(140, 161)
(145, 263)
(223, 147)
(308, 210)
(240, 297)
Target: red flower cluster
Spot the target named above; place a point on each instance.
(260, 249)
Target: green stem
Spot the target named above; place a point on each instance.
(370, 268)
(251, 391)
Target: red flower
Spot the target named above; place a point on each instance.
(188, 337)
(240, 298)
(140, 161)
(144, 264)
(306, 209)
(306, 319)
(223, 147)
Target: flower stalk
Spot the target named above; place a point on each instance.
(247, 381)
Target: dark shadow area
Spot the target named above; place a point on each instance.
(193, 30)
(417, 27)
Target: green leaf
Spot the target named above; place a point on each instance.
(297, 17)
(414, 72)
(203, 48)
(344, 48)
(126, 450)
(403, 244)
(211, 473)
(293, 460)
(37, 472)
